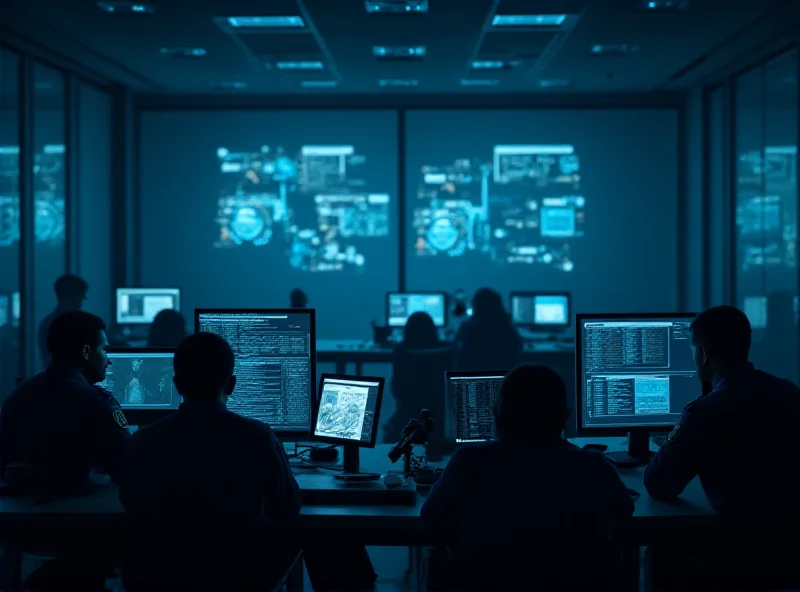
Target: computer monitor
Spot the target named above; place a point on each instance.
(473, 396)
(10, 310)
(401, 305)
(139, 306)
(755, 307)
(634, 373)
(541, 311)
(347, 414)
(141, 380)
(276, 363)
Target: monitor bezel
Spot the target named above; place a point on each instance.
(579, 414)
(378, 404)
(450, 427)
(534, 293)
(419, 293)
(116, 302)
(140, 416)
(285, 435)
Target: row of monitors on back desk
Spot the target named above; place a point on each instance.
(633, 372)
(544, 311)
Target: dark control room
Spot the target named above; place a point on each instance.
(315, 295)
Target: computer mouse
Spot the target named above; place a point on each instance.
(392, 480)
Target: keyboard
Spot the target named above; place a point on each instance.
(319, 489)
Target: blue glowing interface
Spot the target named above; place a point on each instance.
(314, 204)
(474, 398)
(142, 380)
(522, 206)
(138, 306)
(9, 309)
(347, 409)
(545, 310)
(766, 211)
(48, 194)
(273, 365)
(635, 373)
(400, 306)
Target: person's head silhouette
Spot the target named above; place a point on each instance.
(532, 404)
(420, 331)
(168, 329)
(77, 339)
(70, 292)
(203, 367)
(487, 305)
(298, 299)
(721, 338)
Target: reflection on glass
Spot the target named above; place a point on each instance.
(9, 224)
(49, 256)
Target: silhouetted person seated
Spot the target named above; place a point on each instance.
(53, 429)
(70, 294)
(529, 509)
(488, 340)
(298, 299)
(418, 374)
(740, 439)
(211, 498)
(168, 329)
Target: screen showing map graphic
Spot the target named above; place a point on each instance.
(142, 380)
(347, 410)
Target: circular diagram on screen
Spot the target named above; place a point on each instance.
(251, 223)
(49, 221)
(445, 236)
(284, 169)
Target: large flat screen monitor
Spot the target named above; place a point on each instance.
(473, 396)
(347, 414)
(139, 306)
(634, 373)
(276, 363)
(401, 305)
(542, 311)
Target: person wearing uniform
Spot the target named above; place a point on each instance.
(522, 510)
(55, 427)
(211, 497)
(740, 439)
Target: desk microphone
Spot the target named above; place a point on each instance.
(416, 432)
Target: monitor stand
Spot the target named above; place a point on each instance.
(351, 461)
(638, 453)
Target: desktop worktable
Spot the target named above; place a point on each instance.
(374, 525)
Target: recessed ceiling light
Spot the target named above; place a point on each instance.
(613, 50)
(229, 85)
(301, 65)
(529, 20)
(184, 52)
(469, 82)
(398, 83)
(399, 52)
(125, 7)
(266, 22)
(319, 84)
(665, 5)
(396, 6)
(554, 83)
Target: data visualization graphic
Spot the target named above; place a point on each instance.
(314, 204)
(766, 213)
(341, 412)
(524, 205)
(48, 186)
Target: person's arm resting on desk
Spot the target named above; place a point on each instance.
(679, 459)
(109, 428)
(442, 503)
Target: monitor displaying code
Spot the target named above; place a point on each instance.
(275, 354)
(347, 409)
(139, 306)
(400, 306)
(540, 310)
(142, 380)
(474, 397)
(635, 373)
